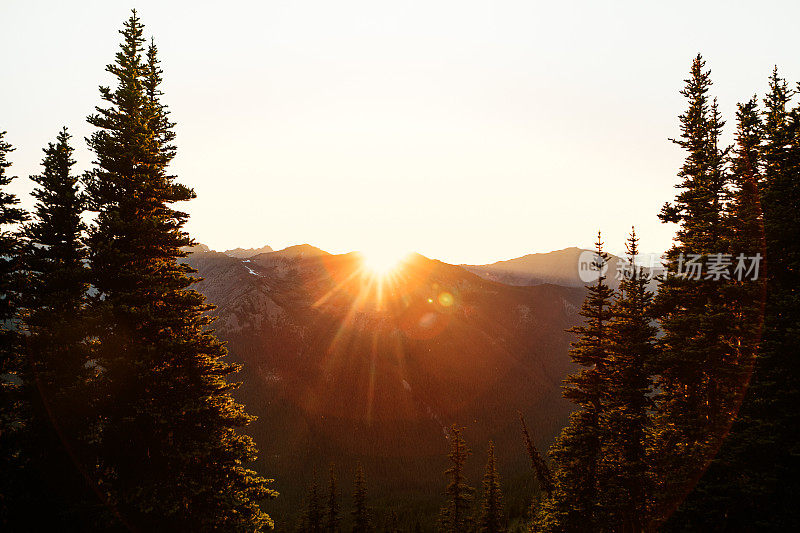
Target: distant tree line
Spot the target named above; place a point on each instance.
(322, 512)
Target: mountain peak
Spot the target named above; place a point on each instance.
(301, 250)
(559, 267)
(246, 253)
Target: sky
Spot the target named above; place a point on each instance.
(467, 131)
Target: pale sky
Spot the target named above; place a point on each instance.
(467, 131)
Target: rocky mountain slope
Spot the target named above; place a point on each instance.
(341, 366)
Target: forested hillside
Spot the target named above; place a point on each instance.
(148, 383)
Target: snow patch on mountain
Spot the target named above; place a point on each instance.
(252, 272)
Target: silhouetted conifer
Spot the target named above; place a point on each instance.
(172, 455)
(492, 518)
(13, 411)
(454, 516)
(754, 478)
(573, 505)
(624, 482)
(696, 370)
(57, 371)
(775, 391)
(543, 474)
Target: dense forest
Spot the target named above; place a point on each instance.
(118, 410)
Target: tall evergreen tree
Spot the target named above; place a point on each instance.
(775, 390)
(573, 505)
(362, 522)
(172, 455)
(332, 517)
(12, 411)
(57, 370)
(623, 471)
(10, 215)
(454, 516)
(57, 280)
(696, 368)
(735, 469)
(543, 474)
(755, 477)
(492, 518)
(13, 414)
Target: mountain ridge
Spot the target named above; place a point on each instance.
(559, 267)
(339, 367)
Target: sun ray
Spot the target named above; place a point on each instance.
(336, 288)
(382, 261)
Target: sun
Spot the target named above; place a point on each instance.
(382, 261)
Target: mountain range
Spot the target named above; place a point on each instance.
(341, 366)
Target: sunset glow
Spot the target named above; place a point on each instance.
(381, 261)
(399, 266)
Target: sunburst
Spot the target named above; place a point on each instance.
(381, 262)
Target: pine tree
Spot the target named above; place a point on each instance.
(573, 505)
(57, 373)
(777, 381)
(13, 412)
(623, 472)
(172, 456)
(775, 390)
(696, 368)
(362, 522)
(718, 493)
(492, 519)
(454, 516)
(543, 474)
(10, 215)
(753, 481)
(58, 279)
(332, 517)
